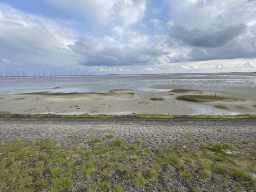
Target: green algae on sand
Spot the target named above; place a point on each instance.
(185, 91)
(207, 98)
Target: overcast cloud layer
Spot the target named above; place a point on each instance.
(127, 36)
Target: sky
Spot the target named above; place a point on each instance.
(96, 37)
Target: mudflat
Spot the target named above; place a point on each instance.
(123, 102)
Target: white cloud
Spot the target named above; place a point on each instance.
(107, 69)
(206, 38)
(124, 70)
(131, 11)
(100, 10)
(140, 50)
(40, 41)
(210, 30)
(199, 31)
(119, 30)
(150, 69)
(247, 65)
(126, 12)
(33, 39)
(185, 67)
(6, 60)
(226, 65)
(156, 23)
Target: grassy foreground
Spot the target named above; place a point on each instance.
(112, 165)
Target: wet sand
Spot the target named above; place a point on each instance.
(121, 102)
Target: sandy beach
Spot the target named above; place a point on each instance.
(122, 102)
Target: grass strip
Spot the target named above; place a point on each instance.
(223, 116)
(139, 115)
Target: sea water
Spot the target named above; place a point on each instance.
(234, 83)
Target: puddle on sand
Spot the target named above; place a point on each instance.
(69, 90)
(153, 89)
(168, 97)
(210, 110)
(115, 113)
(198, 110)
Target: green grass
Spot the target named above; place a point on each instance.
(224, 116)
(197, 189)
(220, 168)
(139, 180)
(242, 175)
(153, 174)
(186, 175)
(219, 147)
(97, 140)
(157, 116)
(119, 188)
(206, 98)
(218, 158)
(7, 115)
(53, 166)
(110, 136)
(133, 147)
(117, 142)
(62, 183)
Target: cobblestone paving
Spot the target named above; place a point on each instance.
(156, 133)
